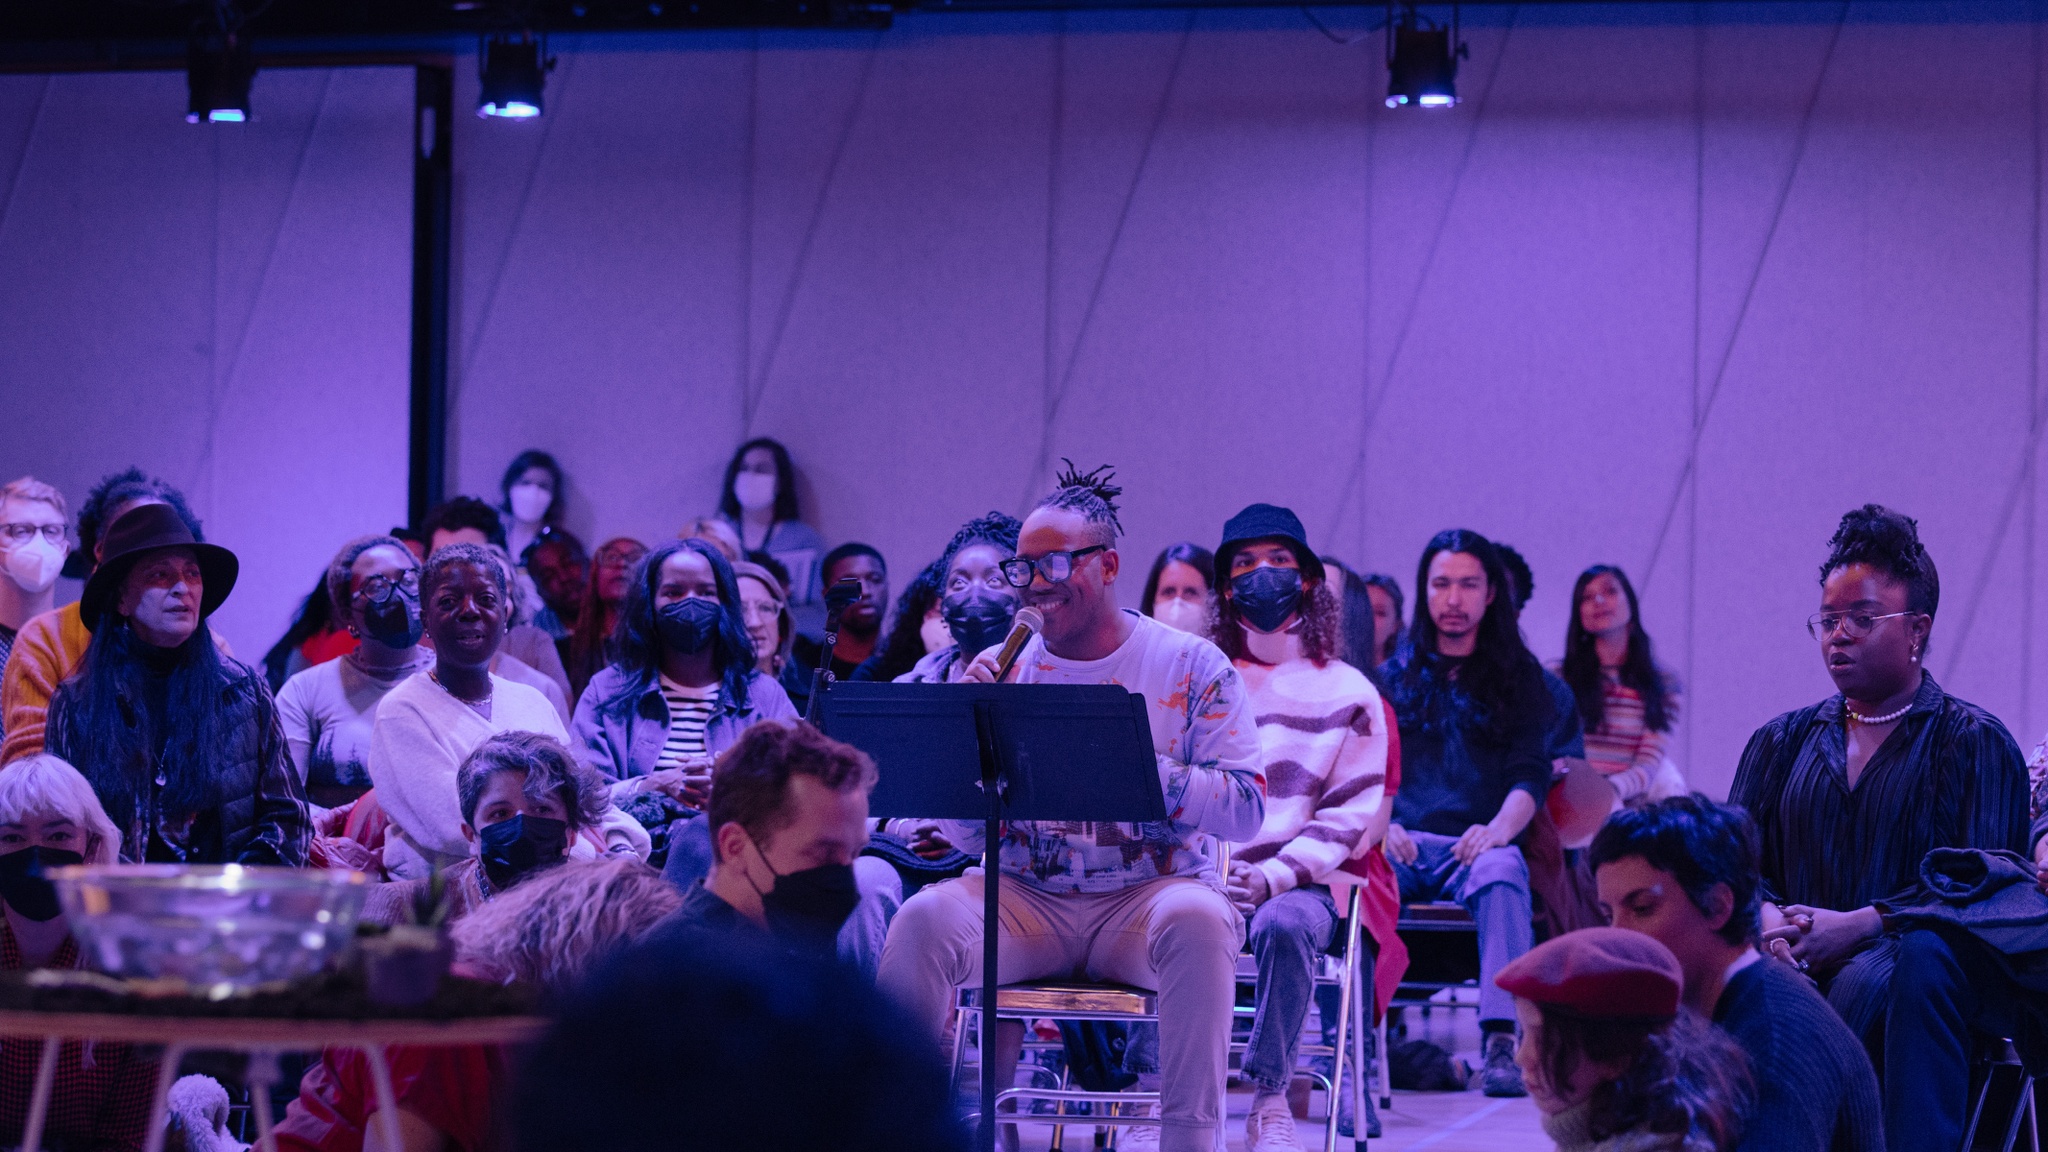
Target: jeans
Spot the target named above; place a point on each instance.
(1494, 889)
(860, 938)
(1919, 1001)
(1176, 935)
(1288, 932)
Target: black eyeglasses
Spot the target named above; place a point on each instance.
(1854, 625)
(1056, 567)
(376, 589)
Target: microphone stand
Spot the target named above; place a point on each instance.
(838, 598)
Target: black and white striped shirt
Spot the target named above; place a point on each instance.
(689, 713)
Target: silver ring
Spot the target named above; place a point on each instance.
(1801, 965)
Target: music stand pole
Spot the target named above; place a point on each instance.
(991, 903)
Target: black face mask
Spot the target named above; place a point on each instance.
(393, 621)
(689, 626)
(978, 619)
(1266, 597)
(514, 849)
(807, 908)
(22, 884)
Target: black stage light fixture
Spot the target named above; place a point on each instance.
(514, 68)
(219, 67)
(1422, 59)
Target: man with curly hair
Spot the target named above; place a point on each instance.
(1850, 795)
(1129, 903)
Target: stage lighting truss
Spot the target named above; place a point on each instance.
(219, 66)
(1422, 59)
(513, 67)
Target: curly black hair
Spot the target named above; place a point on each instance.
(997, 528)
(1888, 541)
(118, 488)
(1089, 493)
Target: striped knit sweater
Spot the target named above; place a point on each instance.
(1323, 738)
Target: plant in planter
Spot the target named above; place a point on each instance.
(403, 966)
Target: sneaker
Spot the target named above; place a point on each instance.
(1501, 1077)
(1137, 1138)
(1269, 1127)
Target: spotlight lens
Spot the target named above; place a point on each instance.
(511, 109)
(1437, 100)
(1396, 101)
(227, 116)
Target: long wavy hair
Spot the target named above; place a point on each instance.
(1322, 623)
(1682, 1075)
(1497, 683)
(554, 929)
(903, 647)
(590, 642)
(1354, 608)
(638, 640)
(99, 723)
(1638, 668)
(1193, 555)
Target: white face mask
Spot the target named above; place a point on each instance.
(754, 490)
(530, 502)
(34, 565)
(1182, 615)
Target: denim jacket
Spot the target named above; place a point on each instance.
(621, 722)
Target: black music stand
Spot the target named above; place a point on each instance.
(1001, 751)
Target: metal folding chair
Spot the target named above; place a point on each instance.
(2005, 1098)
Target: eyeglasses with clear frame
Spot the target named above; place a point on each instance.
(19, 533)
(1854, 625)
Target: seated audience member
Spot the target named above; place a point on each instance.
(462, 520)
(551, 932)
(1354, 603)
(50, 818)
(1626, 703)
(1323, 735)
(1851, 794)
(181, 743)
(525, 802)
(1128, 903)
(33, 545)
(1177, 592)
(717, 533)
(592, 643)
(788, 819)
(745, 1047)
(916, 629)
(314, 637)
(1566, 738)
(976, 604)
(1684, 871)
(561, 572)
(1613, 1059)
(527, 655)
(758, 498)
(49, 646)
(531, 503)
(765, 611)
(430, 723)
(1474, 723)
(329, 709)
(860, 626)
(1388, 616)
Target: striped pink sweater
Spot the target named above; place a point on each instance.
(1323, 739)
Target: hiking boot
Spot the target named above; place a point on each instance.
(1269, 1127)
(1501, 1077)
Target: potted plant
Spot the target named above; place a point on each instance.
(403, 966)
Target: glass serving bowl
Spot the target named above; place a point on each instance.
(222, 929)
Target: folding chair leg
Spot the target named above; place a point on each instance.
(1383, 1064)
(1360, 1109)
(1347, 1035)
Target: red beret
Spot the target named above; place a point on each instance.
(1600, 973)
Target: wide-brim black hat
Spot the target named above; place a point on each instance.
(1265, 522)
(139, 531)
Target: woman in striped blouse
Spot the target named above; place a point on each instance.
(1627, 703)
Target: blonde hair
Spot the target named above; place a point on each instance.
(43, 784)
(30, 488)
(715, 532)
(555, 927)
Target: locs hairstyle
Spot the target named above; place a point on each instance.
(1638, 668)
(1888, 541)
(638, 640)
(785, 481)
(1497, 683)
(1092, 495)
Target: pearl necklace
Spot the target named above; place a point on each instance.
(1873, 721)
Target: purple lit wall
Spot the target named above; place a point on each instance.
(1673, 289)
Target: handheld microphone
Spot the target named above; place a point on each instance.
(1027, 625)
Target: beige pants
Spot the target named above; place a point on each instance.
(1177, 936)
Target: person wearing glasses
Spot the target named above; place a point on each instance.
(33, 545)
(1851, 794)
(1129, 903)
(329, 710)
(592, 643)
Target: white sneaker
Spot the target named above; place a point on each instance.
(1137, 1138)
(1270, 1126)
